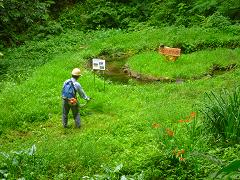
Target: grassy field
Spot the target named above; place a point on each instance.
(140, 131)
(189, 66)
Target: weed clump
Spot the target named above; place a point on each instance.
(222, 114)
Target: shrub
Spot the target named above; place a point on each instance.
(18, 16)
(217, 21)
(46, 30)
(13, 164)
(222, 114)
(230, 171)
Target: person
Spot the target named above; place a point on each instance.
(72, 103)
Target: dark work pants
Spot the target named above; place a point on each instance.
(75, 111)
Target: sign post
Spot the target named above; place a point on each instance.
(99, 64)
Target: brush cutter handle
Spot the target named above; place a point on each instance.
(86, 102)
(89, 99)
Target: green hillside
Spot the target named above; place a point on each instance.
(148, 118)
(129, 130)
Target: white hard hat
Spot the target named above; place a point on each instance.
(76, 72)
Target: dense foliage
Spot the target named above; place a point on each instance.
(23, 20)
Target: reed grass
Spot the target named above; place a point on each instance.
(222, 113)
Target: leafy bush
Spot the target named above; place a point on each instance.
(222, 114)
(18, 16)
(116, 14)
(13, 164)
(24, 20)
(101, 14)
(207, 8)
(46, 30)
(230, 171)
(217, 21)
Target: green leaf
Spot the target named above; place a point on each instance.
(118, 168)
(232, 167)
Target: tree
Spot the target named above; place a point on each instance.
(17, 16)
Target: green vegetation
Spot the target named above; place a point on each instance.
(220, 114)
(228, 171)
(23, 20)
(190, 66)
(122, 136)
(187, 128)
(26, 20)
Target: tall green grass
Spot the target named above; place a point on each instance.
(222, 114)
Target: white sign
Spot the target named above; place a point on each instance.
(98, 64)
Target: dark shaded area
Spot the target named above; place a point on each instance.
(3, 68)
(217, 69)
(27, 19)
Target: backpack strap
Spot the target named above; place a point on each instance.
(73, 88)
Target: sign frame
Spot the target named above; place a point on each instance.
(98, 64)
(170, 51)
